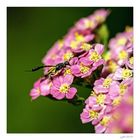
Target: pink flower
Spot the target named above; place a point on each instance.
(40, 88)
(121, 47)
(98, 102)
(122, 73)
(103, 124)
(91, 115)
(80, 70)
(100, 15)
(45, 87)
(61, 87)
(103, 84)
(35, 92)
(118, 42)
(76, 39)
(86, 24)
(120, 91)
(91, 22)
(94, 56)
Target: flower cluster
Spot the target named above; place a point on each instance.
(78, 56)
(84, 58)
(112, 93)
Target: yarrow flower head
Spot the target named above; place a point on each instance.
(82, 57)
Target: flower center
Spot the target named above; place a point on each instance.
(112, 66)
(94, 56)
(93, 114)
(79, 38)
(67, 71)
(105, 121)
(123, 54)
(67, 56)
(107, 82)
(74, 44)
(100, 99)
(116, 101)
(122, 89)
(64, 88)
(126, 73)
(84, 69)
(99, 18)
(86, 46)
(121, 41)
(89, 24)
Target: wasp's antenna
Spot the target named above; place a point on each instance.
(37, 68)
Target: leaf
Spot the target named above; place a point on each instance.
(103, 35)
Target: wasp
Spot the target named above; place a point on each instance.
(54, 70)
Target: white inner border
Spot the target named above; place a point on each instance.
(66, 3)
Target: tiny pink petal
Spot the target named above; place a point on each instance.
(68, 79)
(75, 69)
(99, 82)
(100, 128)
(71, 93)
(99, 48)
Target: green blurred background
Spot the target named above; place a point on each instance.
(30, 33)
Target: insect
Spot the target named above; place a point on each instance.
(53, 70)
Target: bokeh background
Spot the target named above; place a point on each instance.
(31, 32)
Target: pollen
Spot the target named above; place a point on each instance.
(93, 114)
(123, 55)
(122, 89)
(112, 66)
(64, 88)
(105, 121)
(74, 44)
(107, 82)
(89, 24)
(99, 18)
(86, 46)
(79, 38)
(100, 99)
(116, 101)
(121, 41)
(126, 73)
(94, 56)
(67, 56)
(67, 71)
(84, 69)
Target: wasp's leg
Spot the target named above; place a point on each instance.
(44, 78)
(50, 77)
